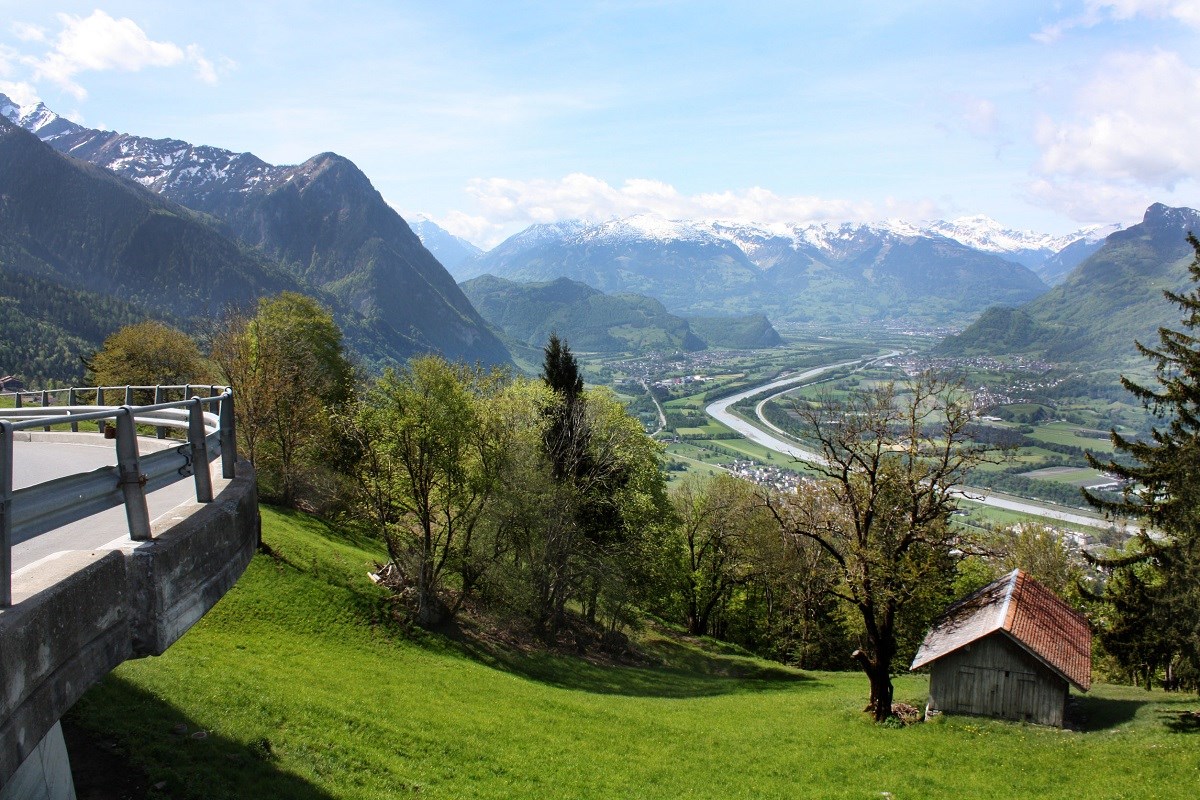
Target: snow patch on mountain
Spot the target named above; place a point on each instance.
(647, 227)
(984, 233)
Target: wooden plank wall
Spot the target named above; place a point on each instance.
(994, 677)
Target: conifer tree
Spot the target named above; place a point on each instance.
(1164, 489)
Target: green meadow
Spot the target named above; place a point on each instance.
(300, 684)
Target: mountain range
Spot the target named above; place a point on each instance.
(320, 226)
(822, 273)
(1105, 303)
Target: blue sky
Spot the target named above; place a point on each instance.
(489, 116)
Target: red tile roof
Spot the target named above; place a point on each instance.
(1032, 615)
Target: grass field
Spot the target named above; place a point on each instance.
(303, 688)
(1074, 435)
(1074, 476)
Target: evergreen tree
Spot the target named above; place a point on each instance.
(1163, 490)
(560, 370)
(566, 436)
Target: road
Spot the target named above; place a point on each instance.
(719, 410)
(662, 416)
(38, 462)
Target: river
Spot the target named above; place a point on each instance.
(719, 410)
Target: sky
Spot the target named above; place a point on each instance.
(489, 116)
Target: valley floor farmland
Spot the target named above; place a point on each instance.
(1041, 478)
(298, 685)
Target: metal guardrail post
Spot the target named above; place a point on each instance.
(17, 402)
(73, 400)
(159, 431)
(6, 473)
(196, 434)
(128, 395)
(228, 436)
(45, 402)
(131, 479)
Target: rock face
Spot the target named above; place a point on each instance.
(322, 221)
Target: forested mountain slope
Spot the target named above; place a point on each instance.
(1104, 304)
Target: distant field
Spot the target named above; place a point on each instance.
(303, 688)
(1073, 435)
(1075, 476)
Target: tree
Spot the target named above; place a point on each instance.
(288, 371)
(1163, 486)
(565, 441)
(881, 507)
(147, 354)
(713, 517)
(1039, 551)
(591, 522)
(566, 436)
(428, 468)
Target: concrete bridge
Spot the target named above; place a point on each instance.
(109, 550)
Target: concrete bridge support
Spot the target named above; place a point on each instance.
(79, 614)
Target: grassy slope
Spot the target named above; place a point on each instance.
(305, 692)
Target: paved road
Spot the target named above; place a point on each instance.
(37, 462)
(719, 410)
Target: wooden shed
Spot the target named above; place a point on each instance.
(1011, 650)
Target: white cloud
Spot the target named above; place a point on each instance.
(1090, 201)
(98, 43)
(506, 205)
(20, 92)
(579, 196)
(980, 117)
(28, 33)
(1097, 11)
(1185, 11)
(205, 70)
(1136, 120)
(473, 228)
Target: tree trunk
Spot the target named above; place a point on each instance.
(880, 677)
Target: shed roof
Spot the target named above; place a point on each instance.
(1030, 614)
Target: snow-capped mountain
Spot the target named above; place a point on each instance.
(322, 221)
(168, 166)
(984, 233)
(824, 271)
(447, 248)
(37, 119)
(761, 242)
(1023, 246)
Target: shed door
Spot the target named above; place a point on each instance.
(965, 695)
(996, 692)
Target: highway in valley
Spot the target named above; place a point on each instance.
(773, 438)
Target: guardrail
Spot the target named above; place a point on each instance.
(33, 510)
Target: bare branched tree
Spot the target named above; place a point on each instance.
(890, 463)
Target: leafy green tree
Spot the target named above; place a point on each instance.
(289, 372)
(147, 354)
(713, 519)
(1039, 551)
(881, 509)
(430, 463)
(1163, 489)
